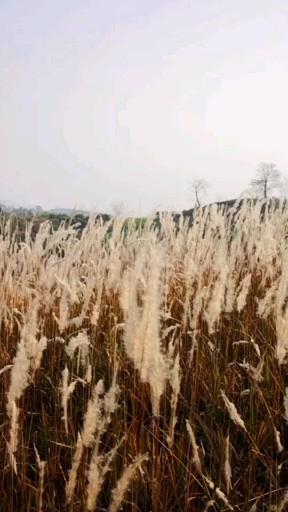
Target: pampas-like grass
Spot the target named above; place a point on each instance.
(82, 344)
(141, 336)
(195, 449)
(14, 416)
(122, 485)
(243, 292)
(233, 413)
(175, 380)
(72, 480)
(172, 299)
(279, 445)
(19, 375)
(41, 468)
(98, 468)
(93, 415)
(285, 403)
(28, 357)
(220, 494)
(227, 466)
(97, 417)
(92, 420)
(282, 337)
(19, 382)
(66, 391)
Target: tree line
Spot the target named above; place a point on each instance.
(267, 179)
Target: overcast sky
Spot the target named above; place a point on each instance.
(105, 101)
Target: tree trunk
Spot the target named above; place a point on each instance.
(265, 189)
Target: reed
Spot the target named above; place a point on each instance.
(156, 352)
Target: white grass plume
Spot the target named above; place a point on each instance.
(220, 494)
(254, 372)
(175, 380)
(285, 403)
(243, 291)
(99, 465)
(233, 413)
(41, 469)
(279, 445)
(96, 419)
(19, 375)
(92, 419)
(72, 479)
(282, 337)
(66, 392)
(82, 344)
(93, 415)
(141, 335)
(122, 485)
(195, 449)
(227, 466)
(19, 382)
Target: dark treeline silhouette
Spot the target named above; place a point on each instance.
(232, 207)
(19, 219)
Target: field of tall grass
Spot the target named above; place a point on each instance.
(145, 369)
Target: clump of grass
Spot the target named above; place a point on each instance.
(130, 349)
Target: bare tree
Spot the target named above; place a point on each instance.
(268, 178)
(199, 187)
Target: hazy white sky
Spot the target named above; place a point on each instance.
(127, 100)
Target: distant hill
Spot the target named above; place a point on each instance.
(231, 206)
(68, 211)
(38, 210)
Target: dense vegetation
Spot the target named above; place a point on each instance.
(143, 368)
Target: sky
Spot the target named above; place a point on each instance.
(125, 102)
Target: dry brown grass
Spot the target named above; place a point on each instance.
(145, 370)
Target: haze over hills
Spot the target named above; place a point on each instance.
(8, 207)
(38, 210)
(68, 211)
